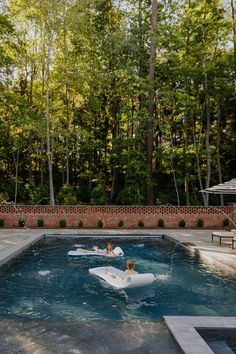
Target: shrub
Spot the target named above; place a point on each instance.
(1, 222)
(62, 223)
(98, 195)
(21, 223)
(67, 195)
(40, 223)
(182, 223)
(200, 223)
(161, 223)
(226, 222)
(81, 224)
(36, 194)
(100, 223)
(129, 195)
(120, 223)
(141, 223)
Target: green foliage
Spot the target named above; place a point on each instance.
(130, 196)
(62, 223)
(40, 223)
(21, 223)
(1, 222)
(200, 223)
(37, 194)
(140, 223)
(226, 222)
(161, 223)
(81, 224)
(100, 223)
(120, 223)
(3, 197)
(182, 223)
(99, 100)
(67, 195)
(98, 196)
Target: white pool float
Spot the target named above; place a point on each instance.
(121, 280)
(117, 252)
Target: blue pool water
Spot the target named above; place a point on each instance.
(45, 284)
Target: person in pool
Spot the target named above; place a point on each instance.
(108, 249)
(130, 267)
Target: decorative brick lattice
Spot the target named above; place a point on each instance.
(111, 215)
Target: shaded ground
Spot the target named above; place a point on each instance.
(97, 337)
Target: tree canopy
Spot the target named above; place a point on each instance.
(116, 102)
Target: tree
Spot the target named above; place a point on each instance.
(151, 103)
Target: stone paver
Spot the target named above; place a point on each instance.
(184, 331)
(199, 242)
(95, 337)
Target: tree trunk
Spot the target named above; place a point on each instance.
(42, 140)
(49, 151)
(234, 39)
(16, 163)
(67, 138)
(151, 102)
(196, 147)
(67, 101)
(186, 163)
(208, 126)
(172, 168)
(218, 140)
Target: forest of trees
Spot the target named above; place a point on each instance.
(116, 102)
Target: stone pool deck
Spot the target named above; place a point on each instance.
(119, 336)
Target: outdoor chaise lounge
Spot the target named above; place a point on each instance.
(233, 242)
(224, 234)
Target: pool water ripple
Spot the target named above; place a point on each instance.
(45, 284)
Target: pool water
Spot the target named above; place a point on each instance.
(45, 284)
(221, 341)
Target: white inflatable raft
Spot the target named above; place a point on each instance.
(117, 252)
(121, 280)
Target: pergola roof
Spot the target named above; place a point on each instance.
(228, 187)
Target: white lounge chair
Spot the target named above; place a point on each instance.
(223, 234)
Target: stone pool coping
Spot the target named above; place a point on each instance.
(183, 328)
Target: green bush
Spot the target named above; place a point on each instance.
(200, 223)
(67, 195)
(226, 222)
(62, 223)
(40, 223)
(36, 194)
(120, 223)
(141, 223)
(129, 196)
(98, 196)
(182, 223)
(21, 223)
(81, 224)
(100, 223)
(161, 223)
(1, 222)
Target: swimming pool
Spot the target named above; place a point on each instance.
(45, 284)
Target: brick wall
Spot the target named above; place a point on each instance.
(131, 215)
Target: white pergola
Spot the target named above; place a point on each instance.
(228, 187)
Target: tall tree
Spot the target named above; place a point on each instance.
(151, 101)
